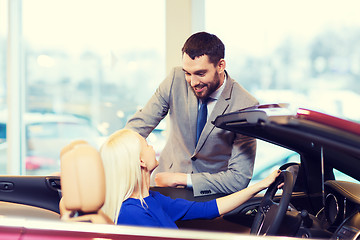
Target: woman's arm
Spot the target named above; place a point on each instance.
(232, 201)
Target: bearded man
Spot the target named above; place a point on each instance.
(198, 155)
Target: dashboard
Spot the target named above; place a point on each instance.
(342, 209)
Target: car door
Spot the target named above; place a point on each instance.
(36, 191)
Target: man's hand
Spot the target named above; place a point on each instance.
(167, 179)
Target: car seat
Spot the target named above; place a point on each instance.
(65, 149)
(82, 184)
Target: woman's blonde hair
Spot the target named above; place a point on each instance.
(120, 154)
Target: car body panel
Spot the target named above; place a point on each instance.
(37, 229)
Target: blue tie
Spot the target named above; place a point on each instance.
(201, 119)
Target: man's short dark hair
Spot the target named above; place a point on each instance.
(203, 43)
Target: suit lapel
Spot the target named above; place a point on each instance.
(220, 107)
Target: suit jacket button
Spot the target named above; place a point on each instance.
(205, 192)
(193, 158)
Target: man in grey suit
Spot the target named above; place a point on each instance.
(219, 161)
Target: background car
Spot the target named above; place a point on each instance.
(46, 134)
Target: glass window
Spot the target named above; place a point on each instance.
(88, 66)
(343, 177)
(306, 53)
(3, 53)
(269, 158)
(301, 52)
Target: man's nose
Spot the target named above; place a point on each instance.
(194, 81)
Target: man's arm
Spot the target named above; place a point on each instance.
(147, 118)
(168, 179)
(237, 177)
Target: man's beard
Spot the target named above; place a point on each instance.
(210, 87)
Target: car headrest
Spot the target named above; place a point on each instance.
(82, 179)
(71, 145)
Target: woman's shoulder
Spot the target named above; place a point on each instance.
(155, 194)
(158, 196)
(131, 202)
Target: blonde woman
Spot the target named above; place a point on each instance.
(128, 163)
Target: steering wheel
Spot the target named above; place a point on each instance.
(270, 214)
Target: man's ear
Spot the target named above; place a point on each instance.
(221, 65)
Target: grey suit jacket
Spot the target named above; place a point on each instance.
(222, 161)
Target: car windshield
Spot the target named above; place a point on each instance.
(270, 157)
(343, 177)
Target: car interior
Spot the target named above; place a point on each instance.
(305, 214)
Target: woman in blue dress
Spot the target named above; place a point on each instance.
(128, 162)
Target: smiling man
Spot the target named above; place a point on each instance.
(198, 155)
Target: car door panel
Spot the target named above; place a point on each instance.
(37, 191)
